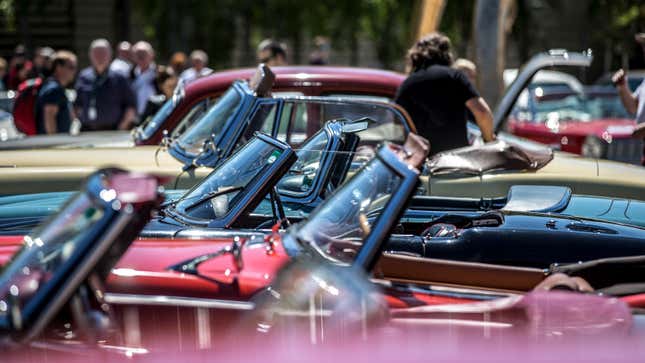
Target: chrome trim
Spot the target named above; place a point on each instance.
(193, 302)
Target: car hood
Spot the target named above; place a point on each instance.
(601, 128)
(145, 267)
(83, 140)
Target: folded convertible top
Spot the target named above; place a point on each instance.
(498, 155)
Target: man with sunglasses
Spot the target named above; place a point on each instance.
(53, 109)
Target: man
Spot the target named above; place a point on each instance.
(142, 76)
(199, 61)
(122, 64)
(272, 53)
(634, 103)
(468, 68)
(43, 63)
(104, 98)
(437, 96)
(53, 109)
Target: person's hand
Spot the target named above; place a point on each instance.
(640, 38)
(619, 78)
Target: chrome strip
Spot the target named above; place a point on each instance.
(158, 300)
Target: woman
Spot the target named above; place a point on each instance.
(165, 83)
(437, 96)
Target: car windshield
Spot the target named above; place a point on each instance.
(45, 252)
(152, 125)
(212, 123)
(220, 190)
(302, 174)
(339, 226)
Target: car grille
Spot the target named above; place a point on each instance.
(625, 150)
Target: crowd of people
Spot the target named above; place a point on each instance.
(113, 92)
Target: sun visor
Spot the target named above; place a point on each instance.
(262, 81)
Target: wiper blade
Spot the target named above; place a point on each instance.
(213, 194)
(190, 266)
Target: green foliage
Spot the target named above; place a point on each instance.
(215, 25)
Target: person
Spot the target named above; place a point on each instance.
(178, 62)
(122, 64)
(199, 60)
(272, 53)
(437, 96)
(104, 98)
(42, 63)
(142, 76)
(53, 109)
(3, 73)
(634, 102)
(17, 64)
(165, 84)
(468, 68)
(320, 55)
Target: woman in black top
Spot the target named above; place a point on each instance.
(437, 96)
(165, 84)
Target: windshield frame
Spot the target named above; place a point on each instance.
(375, 241)
(124, 213)
(250, 196)
(221, 141)
(142, 132)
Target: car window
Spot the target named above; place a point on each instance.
(195, 113)
(300, 177)
(310, 116)
(262, 120)
(285, 122)
(220, 191)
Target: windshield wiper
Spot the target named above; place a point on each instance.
(190, 266)
(213, 194)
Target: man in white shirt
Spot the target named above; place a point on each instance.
(142, 76)
(122, 64)
(199, 61)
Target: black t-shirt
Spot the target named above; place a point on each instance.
(52, 93)
(435, 98)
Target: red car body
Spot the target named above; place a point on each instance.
(308, 80)
(570, 136)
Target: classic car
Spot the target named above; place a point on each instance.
(192, 100)
(593, 123)
(228, 123)
(58, 265)
(588, 121)
(484, 247)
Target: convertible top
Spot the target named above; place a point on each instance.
(498, 155)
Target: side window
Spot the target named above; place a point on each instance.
(285, 122)
(262, 120)
(193, 115)
(310, 116)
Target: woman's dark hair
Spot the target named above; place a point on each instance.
(163, 74)
(432, 49)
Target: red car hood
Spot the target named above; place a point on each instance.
(616, 128)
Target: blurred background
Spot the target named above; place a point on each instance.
(373, 33)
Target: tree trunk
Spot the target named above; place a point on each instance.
(492, 21)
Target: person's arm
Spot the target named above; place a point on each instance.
(483, 117)
(128, 119)
(629, 101)
(49, 118)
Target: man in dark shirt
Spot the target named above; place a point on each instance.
(104, 98)
(53, 109)
(437, 96)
